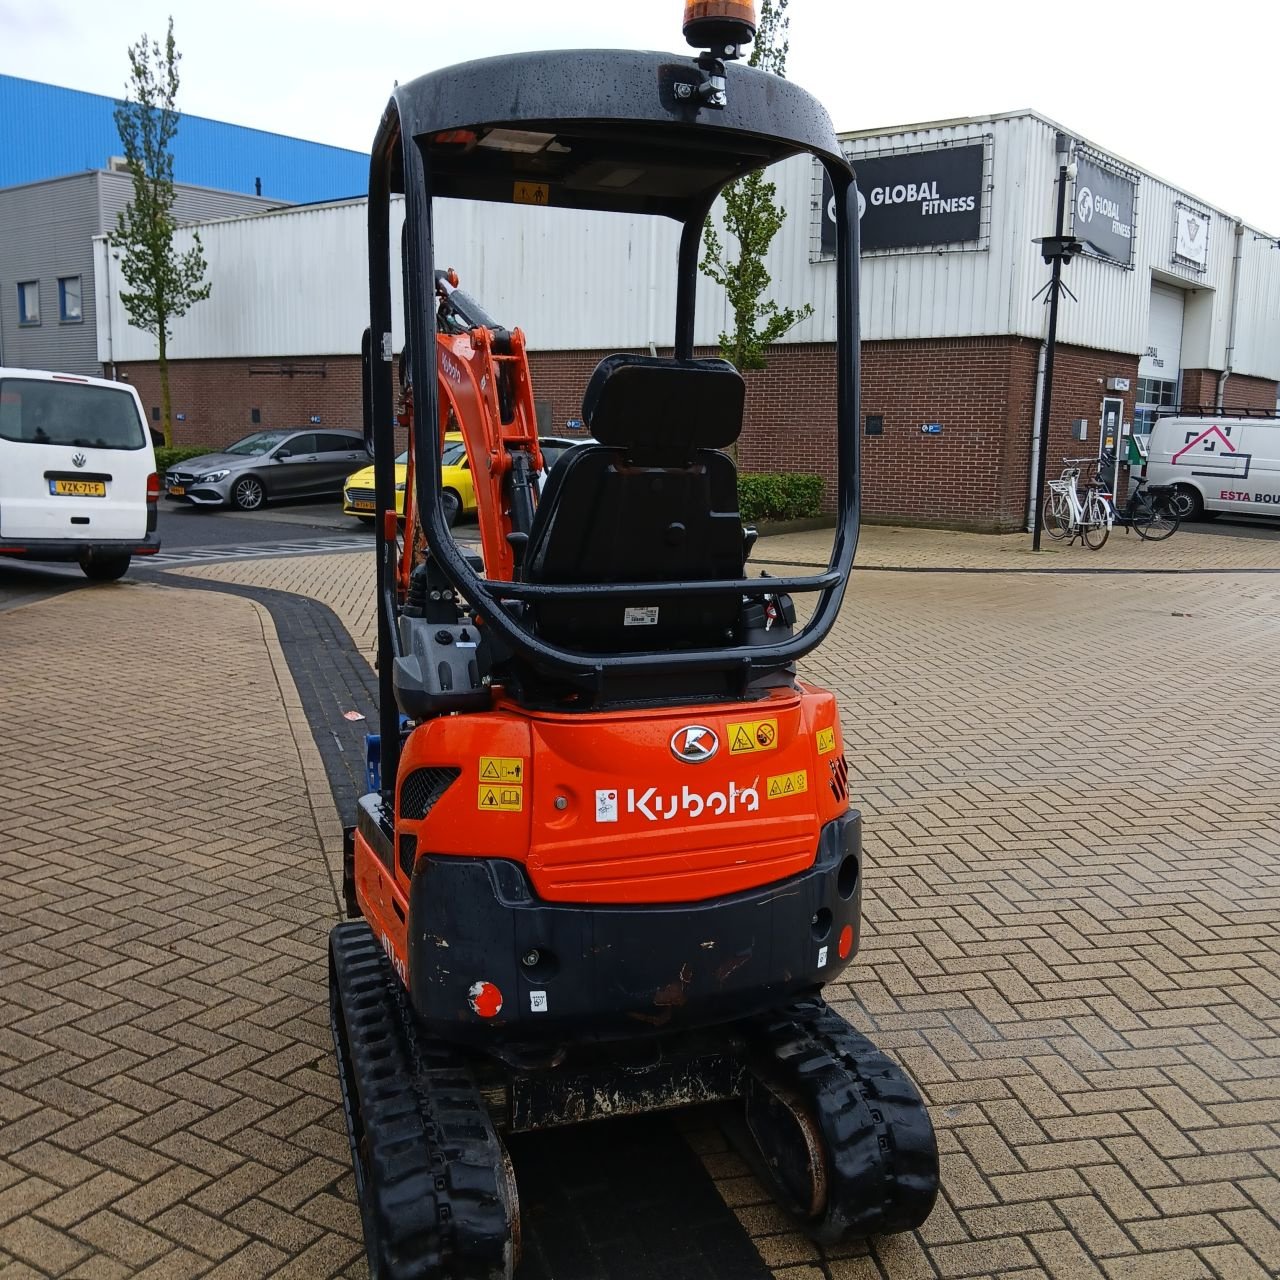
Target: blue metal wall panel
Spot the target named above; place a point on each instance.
(48, 132)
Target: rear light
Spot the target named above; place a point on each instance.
(153, 488)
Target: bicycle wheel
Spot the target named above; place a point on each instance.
(1153, 518)
(1057, 515)
(1094, 528)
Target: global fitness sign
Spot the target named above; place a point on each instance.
(914, 200)
(1103, 215)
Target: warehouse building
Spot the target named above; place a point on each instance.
(63, 181)
(1175, 302)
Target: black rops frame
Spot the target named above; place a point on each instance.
(628, 107)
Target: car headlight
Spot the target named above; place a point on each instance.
(214, 476)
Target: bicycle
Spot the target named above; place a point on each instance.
(1151, 511)
(1087, 516)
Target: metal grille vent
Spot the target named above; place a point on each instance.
(840, 778)
(422, 788)
(408, 854)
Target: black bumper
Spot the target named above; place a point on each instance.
(72, 549)
(574, 971)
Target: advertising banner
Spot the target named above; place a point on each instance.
(1103, 213)
(914, 200)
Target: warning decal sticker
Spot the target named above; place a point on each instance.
(826, 741)
(502, 769)
(500, 799)
(786, 784)
(751, 735)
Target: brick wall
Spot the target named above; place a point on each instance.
(1200, 386)
(972, 475)
(218, 396)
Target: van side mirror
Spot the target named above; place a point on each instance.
(157, 436)
(282, 454)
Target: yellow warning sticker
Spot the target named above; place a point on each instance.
(752, 735)
(532, 193)
(500, 799)
(786, 784)
(826, 741)
(502, 769)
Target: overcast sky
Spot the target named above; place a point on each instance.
(1184, 90)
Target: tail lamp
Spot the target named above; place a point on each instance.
(153, 501)
(716, 24)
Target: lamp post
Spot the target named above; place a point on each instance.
(1055, 249)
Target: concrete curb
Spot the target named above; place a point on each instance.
(315, 779)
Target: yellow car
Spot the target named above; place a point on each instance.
(457, 491)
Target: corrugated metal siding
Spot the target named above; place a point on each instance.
(190, 204)
(46, 232)
(1257, 350)
(294, 283)
(47, 131)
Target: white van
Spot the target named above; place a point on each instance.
(77, 472)
(1218, 464)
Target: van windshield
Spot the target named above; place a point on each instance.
(68, 413)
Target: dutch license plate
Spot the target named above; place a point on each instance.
(362, 506)
(177, 490)
(78, 488)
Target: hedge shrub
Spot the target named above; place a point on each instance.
(785, 495)
(168, 456)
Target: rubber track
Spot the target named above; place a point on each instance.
(882, 1155)
(427, 1160)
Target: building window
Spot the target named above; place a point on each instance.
(1156, 396)
(69, 300)
(29, 302)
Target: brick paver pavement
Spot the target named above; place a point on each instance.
(167, 1103)
(1071, 925)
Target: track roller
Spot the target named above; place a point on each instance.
(842, 1132)
(436, 1190)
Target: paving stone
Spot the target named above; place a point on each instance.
(1071, 945)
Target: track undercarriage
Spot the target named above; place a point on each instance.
(841, 1133)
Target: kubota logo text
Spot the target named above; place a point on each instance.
(653, 806)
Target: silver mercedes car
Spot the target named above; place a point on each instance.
(304, 463)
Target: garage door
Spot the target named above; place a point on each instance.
(1163, 356)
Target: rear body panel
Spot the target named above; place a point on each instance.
(604, 839)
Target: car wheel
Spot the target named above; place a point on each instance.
(1187, 503)
(451, 507)
(248, 494)
(105, 566)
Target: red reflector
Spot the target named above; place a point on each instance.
(153, 488)
(485, 999)
(845, 945)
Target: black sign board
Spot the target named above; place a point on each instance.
(1102, 218)
(913, 200)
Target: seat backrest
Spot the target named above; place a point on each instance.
(654, 501)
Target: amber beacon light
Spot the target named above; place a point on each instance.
(719, 24)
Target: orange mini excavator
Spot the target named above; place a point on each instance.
(610, 860)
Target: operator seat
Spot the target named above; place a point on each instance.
(653, 501)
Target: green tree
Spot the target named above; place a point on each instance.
(752, 219)
(162, 283)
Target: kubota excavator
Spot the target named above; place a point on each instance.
(610, 860)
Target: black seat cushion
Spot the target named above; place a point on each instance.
(653, 502)
(664, 410)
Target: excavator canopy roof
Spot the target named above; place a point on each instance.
(601, 129)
